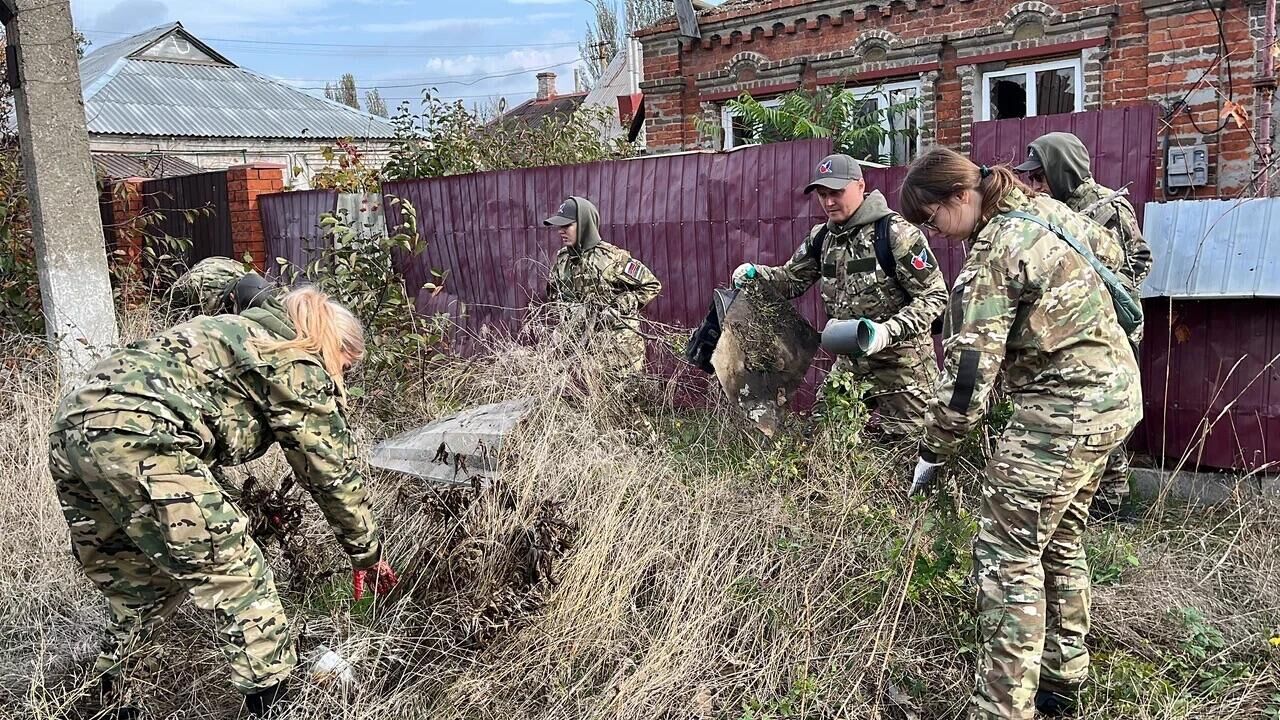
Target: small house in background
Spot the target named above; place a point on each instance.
(548, 103)
(164, 96)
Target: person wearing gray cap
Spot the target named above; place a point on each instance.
(1058, 164)
(880, 284)
(601, 288)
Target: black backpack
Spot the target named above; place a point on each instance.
(702, 344)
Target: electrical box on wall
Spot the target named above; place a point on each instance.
(1186, 166)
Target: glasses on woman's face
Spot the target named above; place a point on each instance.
(928, 224)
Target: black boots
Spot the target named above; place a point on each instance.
(107, 702)
(1057, 702)
(260, 703)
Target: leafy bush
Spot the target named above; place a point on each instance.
(20, 310)
(345, 171)
(357, 268)
(446, 138)
(854, 126)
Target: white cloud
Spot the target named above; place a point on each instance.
(540, 2)
(437, 25)
(471, 75)
(548, 16)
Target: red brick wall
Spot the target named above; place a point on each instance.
(1148, 50)
(244, 184)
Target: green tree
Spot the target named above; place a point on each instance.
(609, 27)
(374, 103)
(346, 91)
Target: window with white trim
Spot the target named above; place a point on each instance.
(1046, 88)
(736, 132)
(898, 106)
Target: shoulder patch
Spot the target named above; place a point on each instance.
(633, 269)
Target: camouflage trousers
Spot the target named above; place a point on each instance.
(1030, 567)
(899, 402)
(1114, 486)
(151, 526)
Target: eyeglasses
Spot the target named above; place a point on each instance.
(928, 224)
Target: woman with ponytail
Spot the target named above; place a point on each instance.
(136, 451)
(1030, 309)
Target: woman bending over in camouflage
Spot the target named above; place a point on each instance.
(1030, 309)
(134, 450)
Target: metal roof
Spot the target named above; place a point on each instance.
(130, 92)
(148, 165)
(1214, 248)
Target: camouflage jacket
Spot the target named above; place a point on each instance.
(1116, 215)
(1028, 304)
(229, 400)
(603, 277)
(854, 285)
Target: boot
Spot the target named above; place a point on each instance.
(107, 697)
(260, 703)
(1057, 702)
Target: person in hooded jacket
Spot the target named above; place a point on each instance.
(900, 365)
(1058, 164)
(135, 450)
(601, 287)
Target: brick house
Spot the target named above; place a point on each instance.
(975, 60)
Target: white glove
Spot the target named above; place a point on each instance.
(743, 273)
(872, 336)
(925, 475)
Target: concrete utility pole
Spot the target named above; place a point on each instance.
(71, 254)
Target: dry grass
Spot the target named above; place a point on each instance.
(707, 577)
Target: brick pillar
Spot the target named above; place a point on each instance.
(244, 184)
(126, 225)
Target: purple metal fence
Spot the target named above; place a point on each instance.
(1210, 365)
(290, 224)
(1121, 141)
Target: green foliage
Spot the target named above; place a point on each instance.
(802, 694)
(345, 171)
(357, 268)
(841, 411)
(1110, 556)
(20, 310)
(446, 138)
(1206, 661)
(855, 126)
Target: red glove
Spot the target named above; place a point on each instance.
(380, 573)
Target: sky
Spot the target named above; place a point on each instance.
(476, 50)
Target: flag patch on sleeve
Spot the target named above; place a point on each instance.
(633, 269)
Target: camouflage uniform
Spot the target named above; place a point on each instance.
(132, 452)
(1066, 167)
(208, 287)
(903, 375)
(603, 290)
(1026, 304)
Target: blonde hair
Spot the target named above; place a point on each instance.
(324, 328)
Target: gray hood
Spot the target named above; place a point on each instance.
(873, 207)
(1065, 161)
(588, 225)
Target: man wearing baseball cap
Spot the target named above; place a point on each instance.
(1058, 164)
(601, 289)
(877, 271)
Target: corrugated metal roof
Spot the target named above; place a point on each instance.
(127, 95)
(116, 165)
(1214, 248)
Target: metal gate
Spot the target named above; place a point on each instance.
(195, 207)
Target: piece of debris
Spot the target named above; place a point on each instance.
(765, 349)
(328, 667)
(461, 449)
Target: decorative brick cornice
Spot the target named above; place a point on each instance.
(1026, 11)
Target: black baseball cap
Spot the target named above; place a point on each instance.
(834, 172)
(565, 216)
(1032, 163)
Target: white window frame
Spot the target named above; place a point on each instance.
(883, 94)
(1029, 73)
(726, 120)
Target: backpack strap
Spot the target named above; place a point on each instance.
(815, 242)
(884, 253)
